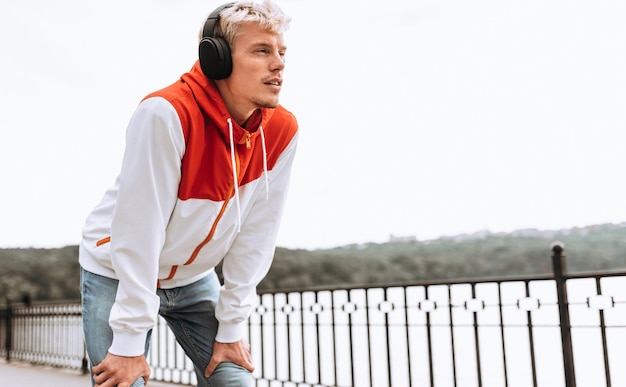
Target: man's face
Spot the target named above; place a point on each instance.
(258, 63)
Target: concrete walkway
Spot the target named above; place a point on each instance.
(16, 374)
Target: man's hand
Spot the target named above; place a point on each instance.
(237, 352)
(120, 371)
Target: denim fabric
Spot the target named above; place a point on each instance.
(189, 312)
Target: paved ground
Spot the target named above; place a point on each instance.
(16, 374)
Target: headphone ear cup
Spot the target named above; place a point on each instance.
(215, 58)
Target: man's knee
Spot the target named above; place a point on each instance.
(230, 375)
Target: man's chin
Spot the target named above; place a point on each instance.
(268, 104)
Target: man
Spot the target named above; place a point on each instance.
(203, 180)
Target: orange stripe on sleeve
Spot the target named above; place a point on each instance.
(103, 241)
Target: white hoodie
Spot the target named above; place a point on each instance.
(174, 211)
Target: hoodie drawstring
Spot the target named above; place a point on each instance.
(267, 183)
(235, 179)
(233, 162)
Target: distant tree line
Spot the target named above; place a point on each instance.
(53, 274)
(593, 248)
(39, 274)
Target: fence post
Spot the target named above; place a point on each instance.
(85, 363)
(559, 268)
(9, 332)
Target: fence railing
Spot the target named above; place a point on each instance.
(47, 334)
(551, 330)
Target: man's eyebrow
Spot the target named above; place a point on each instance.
(266, 44)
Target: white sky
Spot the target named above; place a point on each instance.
(418, 117)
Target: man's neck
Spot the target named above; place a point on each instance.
(240, 114)
(253, 121)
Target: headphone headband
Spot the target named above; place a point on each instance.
(211, 22)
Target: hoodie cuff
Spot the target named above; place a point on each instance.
(128, 343)
(230, 333)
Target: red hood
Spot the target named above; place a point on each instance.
(211, 103)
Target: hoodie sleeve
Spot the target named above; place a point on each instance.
(148, 189)
(251, 255)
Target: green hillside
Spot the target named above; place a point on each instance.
(53, 274)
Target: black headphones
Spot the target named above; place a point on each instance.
(213, 51)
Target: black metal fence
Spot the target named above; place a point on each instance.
(46, 334)
(545, 330)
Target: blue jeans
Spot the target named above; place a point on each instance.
(189, 312)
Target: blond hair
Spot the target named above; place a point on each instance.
(266, 13)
